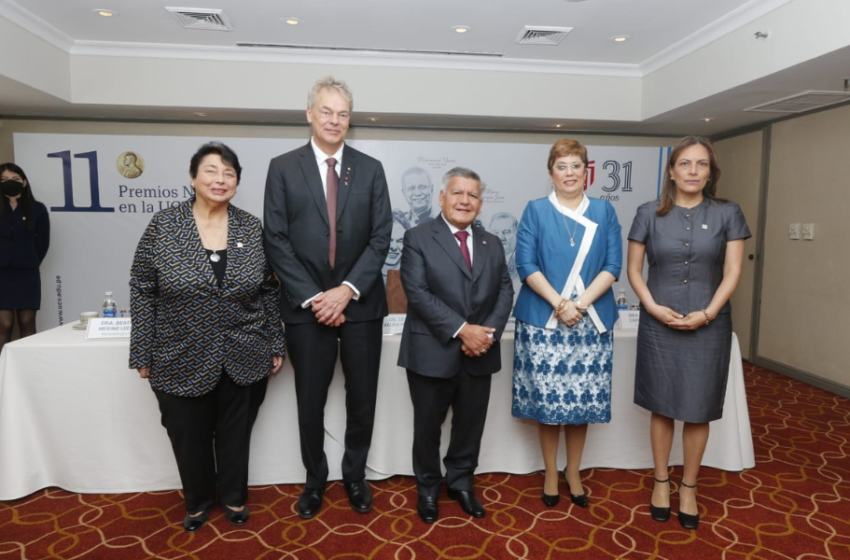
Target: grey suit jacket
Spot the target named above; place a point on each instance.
(442, 294)
(295, 217)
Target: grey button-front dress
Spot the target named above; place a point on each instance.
(682, 374)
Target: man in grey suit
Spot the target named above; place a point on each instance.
(459, 297)
(327, 223)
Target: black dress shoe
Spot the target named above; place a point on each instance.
(310, 502)
(550, 501)
(359, 496)
(468, 502)
(426, 507)
(687, 520)
(192, 524)
(236, 517)
(660, 514)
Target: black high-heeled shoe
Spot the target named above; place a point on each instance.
(687, 520)
(581, 500)
(660, 514)
(550, 501)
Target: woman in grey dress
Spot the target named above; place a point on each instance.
(694, 244)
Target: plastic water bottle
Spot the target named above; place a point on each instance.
(109, 307)
(622, 301)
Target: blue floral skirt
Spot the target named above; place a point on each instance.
(563, 375)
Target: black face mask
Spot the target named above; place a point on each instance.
(12, 188)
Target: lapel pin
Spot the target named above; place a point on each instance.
(704, 226)
(484, 242)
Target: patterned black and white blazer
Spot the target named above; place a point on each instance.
(186, 327)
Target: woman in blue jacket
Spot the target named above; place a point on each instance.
(569, 253)
(24, 238)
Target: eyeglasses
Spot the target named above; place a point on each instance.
(573, 166)
(326, 115)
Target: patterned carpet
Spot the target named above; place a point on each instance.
(794, 505)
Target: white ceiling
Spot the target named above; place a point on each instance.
(661, 33)
(404, 24)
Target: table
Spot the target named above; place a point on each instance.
(72, 415)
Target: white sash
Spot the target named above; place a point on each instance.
(574, 281)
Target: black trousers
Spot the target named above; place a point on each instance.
(211, 439)
(468, 397)
(313, 349)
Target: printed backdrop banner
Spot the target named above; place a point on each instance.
(101, 191)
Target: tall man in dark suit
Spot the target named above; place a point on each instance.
(459, 297)
(327, 232)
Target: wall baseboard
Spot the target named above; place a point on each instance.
(805, 377)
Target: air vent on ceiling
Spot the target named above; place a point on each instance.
(802, 102)
(542, 35)
(207, 19)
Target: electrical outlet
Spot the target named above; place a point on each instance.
(808, 231)
(794, 231)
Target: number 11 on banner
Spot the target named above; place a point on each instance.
(68, 181)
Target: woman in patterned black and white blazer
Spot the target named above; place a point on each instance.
(207, 332)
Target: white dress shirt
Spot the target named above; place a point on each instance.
(454, 230)
(322, 160)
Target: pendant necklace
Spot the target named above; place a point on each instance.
(214, 256)
(575, 229)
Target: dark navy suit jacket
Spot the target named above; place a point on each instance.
(295, 216)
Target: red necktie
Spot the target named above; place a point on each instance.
(462, 235)
(332, 195)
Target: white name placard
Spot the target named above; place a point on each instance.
(394, 323)
(109, 328)
(629, 319)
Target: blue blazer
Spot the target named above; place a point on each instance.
(543, 245)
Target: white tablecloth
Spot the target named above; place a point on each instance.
(72, 415)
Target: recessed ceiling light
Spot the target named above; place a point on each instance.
(461, 28)
(373, 119)
(292, 20)
(707, 119)
(104, 12)
(559, 126)
(200, 114)
(620, 38)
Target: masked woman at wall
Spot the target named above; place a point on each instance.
(24, 238)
